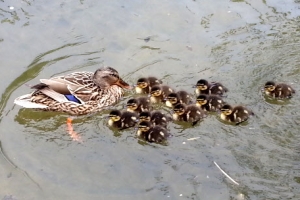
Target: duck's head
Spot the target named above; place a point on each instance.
(115, 115)
(179, 109)
(202, 99)
(226, 109)
(202, 84)
(156, 91)
(172, 99)
(144, 126)
(142, 83)
(270, 86)
(145, 116)
(108, 76)
(132, 104)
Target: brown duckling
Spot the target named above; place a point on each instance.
(122, 120)
(188, 113)
(138, 105)
(178, 97)
(155, 117)
(204, 87)
(152, 133)
(211, 103)
(236, 114)
(159, 93)
(144, 85)
(279, 90)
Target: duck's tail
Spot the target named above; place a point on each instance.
(25, 101)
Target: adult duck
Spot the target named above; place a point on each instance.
(78, 93)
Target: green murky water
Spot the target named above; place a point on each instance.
(239, 43)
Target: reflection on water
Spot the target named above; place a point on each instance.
(242, 44)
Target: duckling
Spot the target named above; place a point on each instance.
(138, 104)
(155, 117)
(236, 114)
(178, 97)
(188, 113)
(279, 90)
(152, 133)
(159, 93)
(210, 103)
(144, 85)
(122, 120)
(204, 87)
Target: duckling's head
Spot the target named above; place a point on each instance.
(179, 109)
(108, 76)
(115, 115)
(270, 86)
(154, 81)
(226, 109)
(144, 126)
(142, 83)
(202, 84)
(171, 99)
(145, 116)
(132, 104)
(156, 91)
(202, 99)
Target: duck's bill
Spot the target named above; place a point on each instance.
(123, 84)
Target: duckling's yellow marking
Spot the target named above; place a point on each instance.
(139, 132)
(138, 90)
(154, 99)
(175, 116)
(134, 118)
(169, 104)
(130, 110)
(223, 117)
(110, 122)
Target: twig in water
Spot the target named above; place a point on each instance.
(226, 174)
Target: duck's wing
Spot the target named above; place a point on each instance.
(79, 84)
(40, 99)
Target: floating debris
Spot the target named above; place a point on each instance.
(195, 138)
(226, 174)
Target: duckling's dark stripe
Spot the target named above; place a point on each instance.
(71, 97)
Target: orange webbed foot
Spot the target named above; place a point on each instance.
(74, 135)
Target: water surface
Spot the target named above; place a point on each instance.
(239, 43)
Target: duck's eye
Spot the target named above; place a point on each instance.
(115, 75)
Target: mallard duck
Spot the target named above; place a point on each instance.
(155, 117)
(138, 105)
(210, 103)
(179, 97)
(78, 93)
(144, 85)
(204, 87)
(279, 90)
(188, 113)
(122, 120)
(236, 114)
(159, 93)
(152, 133)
